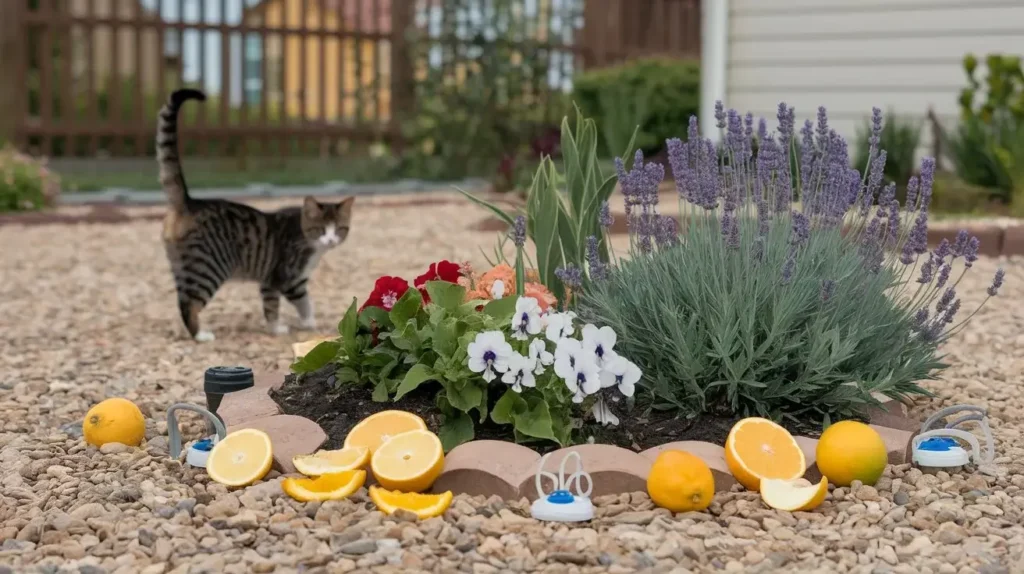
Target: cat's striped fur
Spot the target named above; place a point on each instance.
(209, 242)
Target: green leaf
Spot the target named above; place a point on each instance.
(464, 395)
(349, 324)
(406, 339)
(407, 307)
(508, 406)
(417, 375)
(493, 208)
(346, 376)
(376, 315)
(380, 392)
(455, 430)
(446, 337)
(446, 295)
(501, 309)
(536, 422)
(317, 358)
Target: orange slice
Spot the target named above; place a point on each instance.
(241, 458)
(327, 487)
(757, 448)
(332, 461)
(423, 506)
(793, 495)
(409, 462)
(375, 430)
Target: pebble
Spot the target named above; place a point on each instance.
(359, 547)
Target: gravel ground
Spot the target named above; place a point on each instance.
(88, 313)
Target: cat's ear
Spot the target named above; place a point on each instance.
(345, 208)
(311, 207)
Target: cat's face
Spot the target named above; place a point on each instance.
(325, 225)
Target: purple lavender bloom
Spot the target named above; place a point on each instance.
(943, 250)
(757, 249)
(748, 136)
(640, 189)
(927, 271)
(605, 216)
(733, 240)
(870, 248)
(947, 297)
(893, 227)
(919, 234)
(943, 275)
(822, 128)
(927, 179)
(876, 131)
(666, 234)
(695, 168)
(828, 288)
(912, 187)
(720, 114)
(519, 231)
(886, 198)
(807, 157)
(971, 252)
(598, 270)
(997, 282)
(570, 275)
(763, 215)
(874, 181)
(762, 129)
(801, 229)
(734, 133)
(960, 244)
(951, 312)
(789, 266)
(920, 318)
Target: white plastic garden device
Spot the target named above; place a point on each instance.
(561, 505)
(939, 449)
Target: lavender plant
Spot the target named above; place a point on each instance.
(785, 286)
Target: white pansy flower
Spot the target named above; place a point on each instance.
(520, 373)
(558, 326)
(526, 320)
(602, 414)
(489, 354)
(567, 354)
(497, 289)
(540, 355)
(581, 374)
(622, 373)
(600, 343)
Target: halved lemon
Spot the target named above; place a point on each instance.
(376, 429)
(758, 448)
(424, 506)
(332, 461)
(408, 462)
(793, 495)
(334, 486)
(241, 458)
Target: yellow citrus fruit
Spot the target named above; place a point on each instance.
(334, 486)
(241, 458)
(851, 450)
(758, 448)
(423, 506)
(375, 430)
(680, 482)
(409, 462)
(793, 495)
(114, 420)
(332, 461)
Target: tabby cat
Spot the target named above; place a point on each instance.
(211, 241)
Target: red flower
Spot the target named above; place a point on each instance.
(386, 292)
(443, 270)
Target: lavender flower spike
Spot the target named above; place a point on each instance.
(997, 282)
(828, 289)
(876, 131)
(570, 275)
(598, 270)
(519, 231)
(971, 252)
(605, 216)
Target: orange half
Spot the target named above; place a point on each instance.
(241, 458)
(793, 495)
(377, 429)
(759, 448)
(424, 506)
(409, 462)
(334, 486)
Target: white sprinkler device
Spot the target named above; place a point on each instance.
(939, 448)
(561, 504)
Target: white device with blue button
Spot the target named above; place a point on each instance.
(561, 505)
(939, 448)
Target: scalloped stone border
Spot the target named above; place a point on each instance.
(506, 469)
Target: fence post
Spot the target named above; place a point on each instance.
(10, 68)
(403, 96)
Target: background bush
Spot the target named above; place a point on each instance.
(658, 94)
(25, 183)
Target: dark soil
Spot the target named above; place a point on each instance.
(337, 410)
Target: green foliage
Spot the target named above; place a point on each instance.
(25, 184)
(900, 139)
(562, 209)
(657, 94)
(953, 195)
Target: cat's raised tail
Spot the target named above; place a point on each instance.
(167, 155)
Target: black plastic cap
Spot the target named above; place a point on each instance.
(223, 380)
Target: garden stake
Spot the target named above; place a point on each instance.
(561, 505)
(937, 449)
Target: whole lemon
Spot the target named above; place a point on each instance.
(680, 482)
(849, 451)
(114, 420)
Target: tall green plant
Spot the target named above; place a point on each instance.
(562, 209)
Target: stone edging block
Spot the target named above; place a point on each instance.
(488, 468)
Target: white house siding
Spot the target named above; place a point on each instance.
(851, 55)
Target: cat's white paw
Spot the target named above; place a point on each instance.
(204, 337)
(279, 329)
(308, 324)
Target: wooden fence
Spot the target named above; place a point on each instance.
(86, 77)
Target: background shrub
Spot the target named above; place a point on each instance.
(658, 94)
(25, 183)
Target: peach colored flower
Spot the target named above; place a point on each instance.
(541, 293)
(502, 272)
